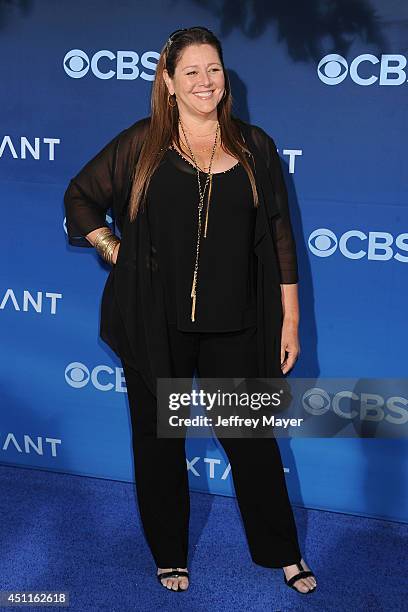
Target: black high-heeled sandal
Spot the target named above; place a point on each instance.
(173, 574)
(302, 574)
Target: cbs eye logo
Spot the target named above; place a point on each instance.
(316, 401)
(76, 63)
(77, 374)
(322, 242)
(332, 69)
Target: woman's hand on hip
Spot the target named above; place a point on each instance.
(290, 347)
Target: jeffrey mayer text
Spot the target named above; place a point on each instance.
(234, 421)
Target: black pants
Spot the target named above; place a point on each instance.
(160, 463)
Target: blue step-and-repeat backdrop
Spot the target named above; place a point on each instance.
(328, 81)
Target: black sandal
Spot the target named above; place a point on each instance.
(173, 574)
(302, 574)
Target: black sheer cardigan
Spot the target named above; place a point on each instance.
(133, 319)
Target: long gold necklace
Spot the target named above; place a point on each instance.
(200, 208)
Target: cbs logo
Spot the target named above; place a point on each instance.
(348, 405)
(102, 377)
(333, 69)
(105, 65)
(323, 242)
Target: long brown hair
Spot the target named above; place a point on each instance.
(163, 125)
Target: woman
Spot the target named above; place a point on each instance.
(204, 276)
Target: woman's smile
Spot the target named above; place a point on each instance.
(204, 95)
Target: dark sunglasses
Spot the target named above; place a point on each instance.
(174, 35)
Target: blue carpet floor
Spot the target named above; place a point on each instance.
(83, 535)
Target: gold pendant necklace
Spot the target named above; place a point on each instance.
(193, 294)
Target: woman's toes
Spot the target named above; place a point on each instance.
(173, 583)
(167, 582)
(303, 586)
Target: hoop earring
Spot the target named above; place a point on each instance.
(168, 100)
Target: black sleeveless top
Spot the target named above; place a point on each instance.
(226, 284)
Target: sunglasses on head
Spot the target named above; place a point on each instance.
(176, 33)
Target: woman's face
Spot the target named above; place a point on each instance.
(198, 71)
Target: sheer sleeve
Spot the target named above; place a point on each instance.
(89, 195)
(281, 225)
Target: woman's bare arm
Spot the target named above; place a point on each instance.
(290, 303)
(290, 346)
